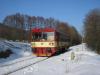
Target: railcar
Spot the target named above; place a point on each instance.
(48, 41)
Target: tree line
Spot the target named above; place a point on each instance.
(17, 27)
(92, 30)
(10, 33)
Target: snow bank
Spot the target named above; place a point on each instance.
(16, 47)
(19, 49)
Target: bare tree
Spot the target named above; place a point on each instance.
(92, 30)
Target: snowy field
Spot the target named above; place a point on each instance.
(84, 63)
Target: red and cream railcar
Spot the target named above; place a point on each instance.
(47, 41)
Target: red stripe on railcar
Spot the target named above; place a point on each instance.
(43, 30)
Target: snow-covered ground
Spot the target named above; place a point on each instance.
(19, 50)
(9, 68)
(84, 63)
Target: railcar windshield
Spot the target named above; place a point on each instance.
(43, 36)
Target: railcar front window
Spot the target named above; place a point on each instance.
(45, 36)
(39, 36)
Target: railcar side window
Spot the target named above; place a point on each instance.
(50, 36)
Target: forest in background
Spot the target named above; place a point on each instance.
(18, 26)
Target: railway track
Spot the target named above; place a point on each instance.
(38, 59)
(5, 65)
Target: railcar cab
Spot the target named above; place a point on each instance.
(43, 41)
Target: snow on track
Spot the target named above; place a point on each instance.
(17, 61)
(18, 66)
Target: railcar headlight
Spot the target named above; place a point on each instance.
(51, 44)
